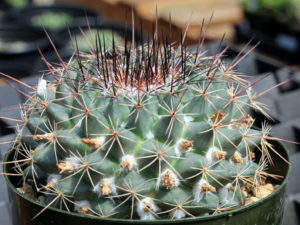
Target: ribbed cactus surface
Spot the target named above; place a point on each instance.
(145, 132)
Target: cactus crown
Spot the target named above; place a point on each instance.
(145, 131)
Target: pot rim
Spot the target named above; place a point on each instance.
(55, 7)
(160, 221)
(40, 42)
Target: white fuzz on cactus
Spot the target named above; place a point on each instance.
(167, 179)
(82, 207)
(178, 214)
(147, 209)
(42, 87)
(210, 155)
(53, 179)
(224, 193)
(128, 163)
(201, 189)
(105, 187)
(183, 146)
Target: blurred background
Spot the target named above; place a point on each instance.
(273, 23)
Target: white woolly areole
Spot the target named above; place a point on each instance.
(149, 135)
(42, 87)
(210, 155)
(130, 159)
(198, 195)
(80, 204)
(179, 151)
(101, 140)
(231, 161)
(172, 175)
(178, 214)
(74, 160)
(110, 181)
(146, 203)
(187, 119)
(223, 193)
(53, 178)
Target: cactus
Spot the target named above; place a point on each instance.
(142, 132)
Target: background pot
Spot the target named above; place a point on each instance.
(59, 15)
(280, 39)
(62, 38)
(30, 37)
(8, 4)
(17, 61)
(266, 211)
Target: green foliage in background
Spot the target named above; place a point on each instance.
(51, 20)
(279, 8)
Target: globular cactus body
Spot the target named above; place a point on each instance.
(151, 132)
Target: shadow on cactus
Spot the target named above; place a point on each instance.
(148, 132)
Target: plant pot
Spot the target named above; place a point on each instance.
(20, 48)
(20, 39)
(105, 28)
(278, 38)
(266, 211)
(7, 4)
(53, 17)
